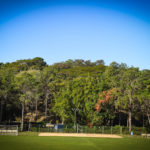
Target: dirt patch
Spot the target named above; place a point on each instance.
(81, 135)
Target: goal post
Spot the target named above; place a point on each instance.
(9, 130)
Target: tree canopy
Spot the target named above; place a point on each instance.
(33, 91)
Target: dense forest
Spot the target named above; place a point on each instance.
(88, 92)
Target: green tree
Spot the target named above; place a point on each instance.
(23, 83)
(144, 93)
(79, 93)
(48, 77)
(6, 87)
(128, 93)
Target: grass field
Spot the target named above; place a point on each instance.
(72, 143)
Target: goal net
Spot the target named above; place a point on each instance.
(8, 130)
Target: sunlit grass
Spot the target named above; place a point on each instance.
(33, 142)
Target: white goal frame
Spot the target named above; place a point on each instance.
(9, 130)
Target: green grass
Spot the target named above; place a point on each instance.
(72, 143)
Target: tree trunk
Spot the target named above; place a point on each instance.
(119, 119)
(130, 121)
(127, 121)
(63, 120)
(148, 115)
(143, 119)
(1, 111)
(130, 111)
(36, 108)
(2, 106)
(22, 118)
(46, 101)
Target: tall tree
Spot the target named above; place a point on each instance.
(81, 94)
(6, 80)
(48, 76)
(24, 85)
(127, 93)
(144, 93)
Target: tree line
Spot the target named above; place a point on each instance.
(79, 91)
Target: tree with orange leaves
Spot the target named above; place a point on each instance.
(105, 106)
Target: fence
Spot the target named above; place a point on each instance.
(85, 129)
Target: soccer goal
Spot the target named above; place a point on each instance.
(8, 130)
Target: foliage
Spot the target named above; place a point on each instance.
(31, 90)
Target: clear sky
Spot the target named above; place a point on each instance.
(57, 30)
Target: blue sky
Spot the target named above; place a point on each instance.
(57, 30)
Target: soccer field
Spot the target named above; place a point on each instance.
(71, 143)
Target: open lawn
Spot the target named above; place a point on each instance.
(72, 143)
